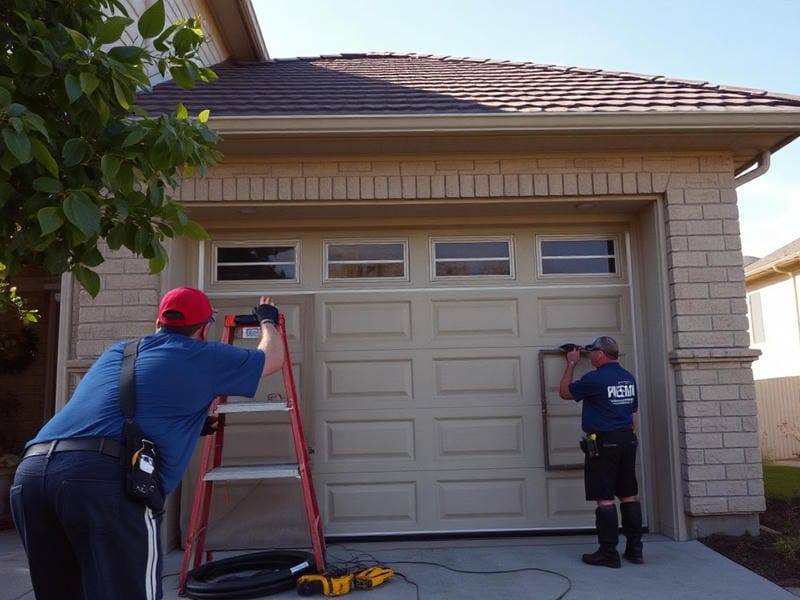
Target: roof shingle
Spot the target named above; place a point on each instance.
(411, 84)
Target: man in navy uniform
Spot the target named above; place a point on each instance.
(610, 420)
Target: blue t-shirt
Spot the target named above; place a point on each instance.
(609, 398)
(177, 378)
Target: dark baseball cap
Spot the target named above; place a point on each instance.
(606, 345)
(184, 306)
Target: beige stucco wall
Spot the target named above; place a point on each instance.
(704, 449)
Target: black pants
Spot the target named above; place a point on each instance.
(85, 539)
(613, 472)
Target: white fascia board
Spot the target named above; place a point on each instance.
(783, 121)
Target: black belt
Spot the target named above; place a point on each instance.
(101, 445)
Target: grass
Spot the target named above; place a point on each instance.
(781, 482)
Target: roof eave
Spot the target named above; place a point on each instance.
(779, 121)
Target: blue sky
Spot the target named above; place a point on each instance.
(730, 42)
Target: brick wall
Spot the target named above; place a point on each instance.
(718, 452)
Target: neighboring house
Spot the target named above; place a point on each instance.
(433, 228)
(773, 297)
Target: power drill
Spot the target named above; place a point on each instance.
(309, 585)
(372, 577)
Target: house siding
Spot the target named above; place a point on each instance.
(714, 438)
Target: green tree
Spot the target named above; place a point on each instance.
(80, 162)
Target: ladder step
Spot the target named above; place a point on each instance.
(243, 472)
(251, 407)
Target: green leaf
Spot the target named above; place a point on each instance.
(80, 40)
(204, 115)
(47, 185)
(74, 151)
(182, 77)
(116, 236)
(109, 165)
(195, 231)
(134, 137)
(181, 112)
(88, 279)
(92, 257)
(50, 219)
(56, 259)
(89, 83)
(159, 259)
(43, 156)
(19, 144)
(73, 88)
(111, 30)
(82, 213)
(122, 94)
(152, 20)
(5, 97)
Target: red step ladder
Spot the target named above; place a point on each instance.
(211, 469)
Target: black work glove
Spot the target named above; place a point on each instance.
(266, 312)
(210, 426)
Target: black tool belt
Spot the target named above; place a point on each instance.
(105, 446)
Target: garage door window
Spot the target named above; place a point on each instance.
(479, 258)
(359, 260)
(578, 257)
(256, 263)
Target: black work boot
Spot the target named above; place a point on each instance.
(608, 535)
(632, 528)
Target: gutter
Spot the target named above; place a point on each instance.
(761, 168)
(786, 123)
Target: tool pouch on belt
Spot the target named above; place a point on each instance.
(590, 446)
(140, 459)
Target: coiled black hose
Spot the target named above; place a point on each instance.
(248, 575)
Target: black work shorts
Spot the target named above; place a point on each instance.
(613, 472)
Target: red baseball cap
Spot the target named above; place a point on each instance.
(193, 307)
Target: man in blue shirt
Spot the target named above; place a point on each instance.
(84, 536)
(609, 419)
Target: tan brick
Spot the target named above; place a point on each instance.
(629, 183)
(555, 184)
(690, 290)
(271, 188)
(727, 488)
(553, 164)
(599, 163)
(526, 184)
(367, 191)
(644, 183)
(703, 340)
(699, 409)
(257, 188)
(496, 185)
(320, 169)
(437, 186)
(585, 184)
(381, 187)
(353, 184)
(511, 185)
(704, 441)
(298, 188)
(687, 259)
(340, 188)
(724, 456)
(312, 188)
(599, 183)
(486, 167)
(421, 167)
(423, 186)
(355, 168)
(395, 186)
(466, 184)
(409, 183)
(287, 169)
(704, 472)
(540, 187)
(660, 182)
(215, 189)
(740, 440)
(706, 243)
(518, 166)
(284, 188)
(614, 183)
(454, 166)
(481, 186)
(187, 190)
(570, 184)
(747, 504)
(707, 275)
(451, 188)
(706, 505)
(673, 164)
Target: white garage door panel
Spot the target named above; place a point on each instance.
(469, 500)
(571, 316)
(496, 376)
(384, 321)
(475, 317)
(370, 377)
(376, 441)
(565, 501)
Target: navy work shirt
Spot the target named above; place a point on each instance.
(609, 398)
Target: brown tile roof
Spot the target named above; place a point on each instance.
(410, 84)
(790, 251)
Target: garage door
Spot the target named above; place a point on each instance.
(430, 400)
